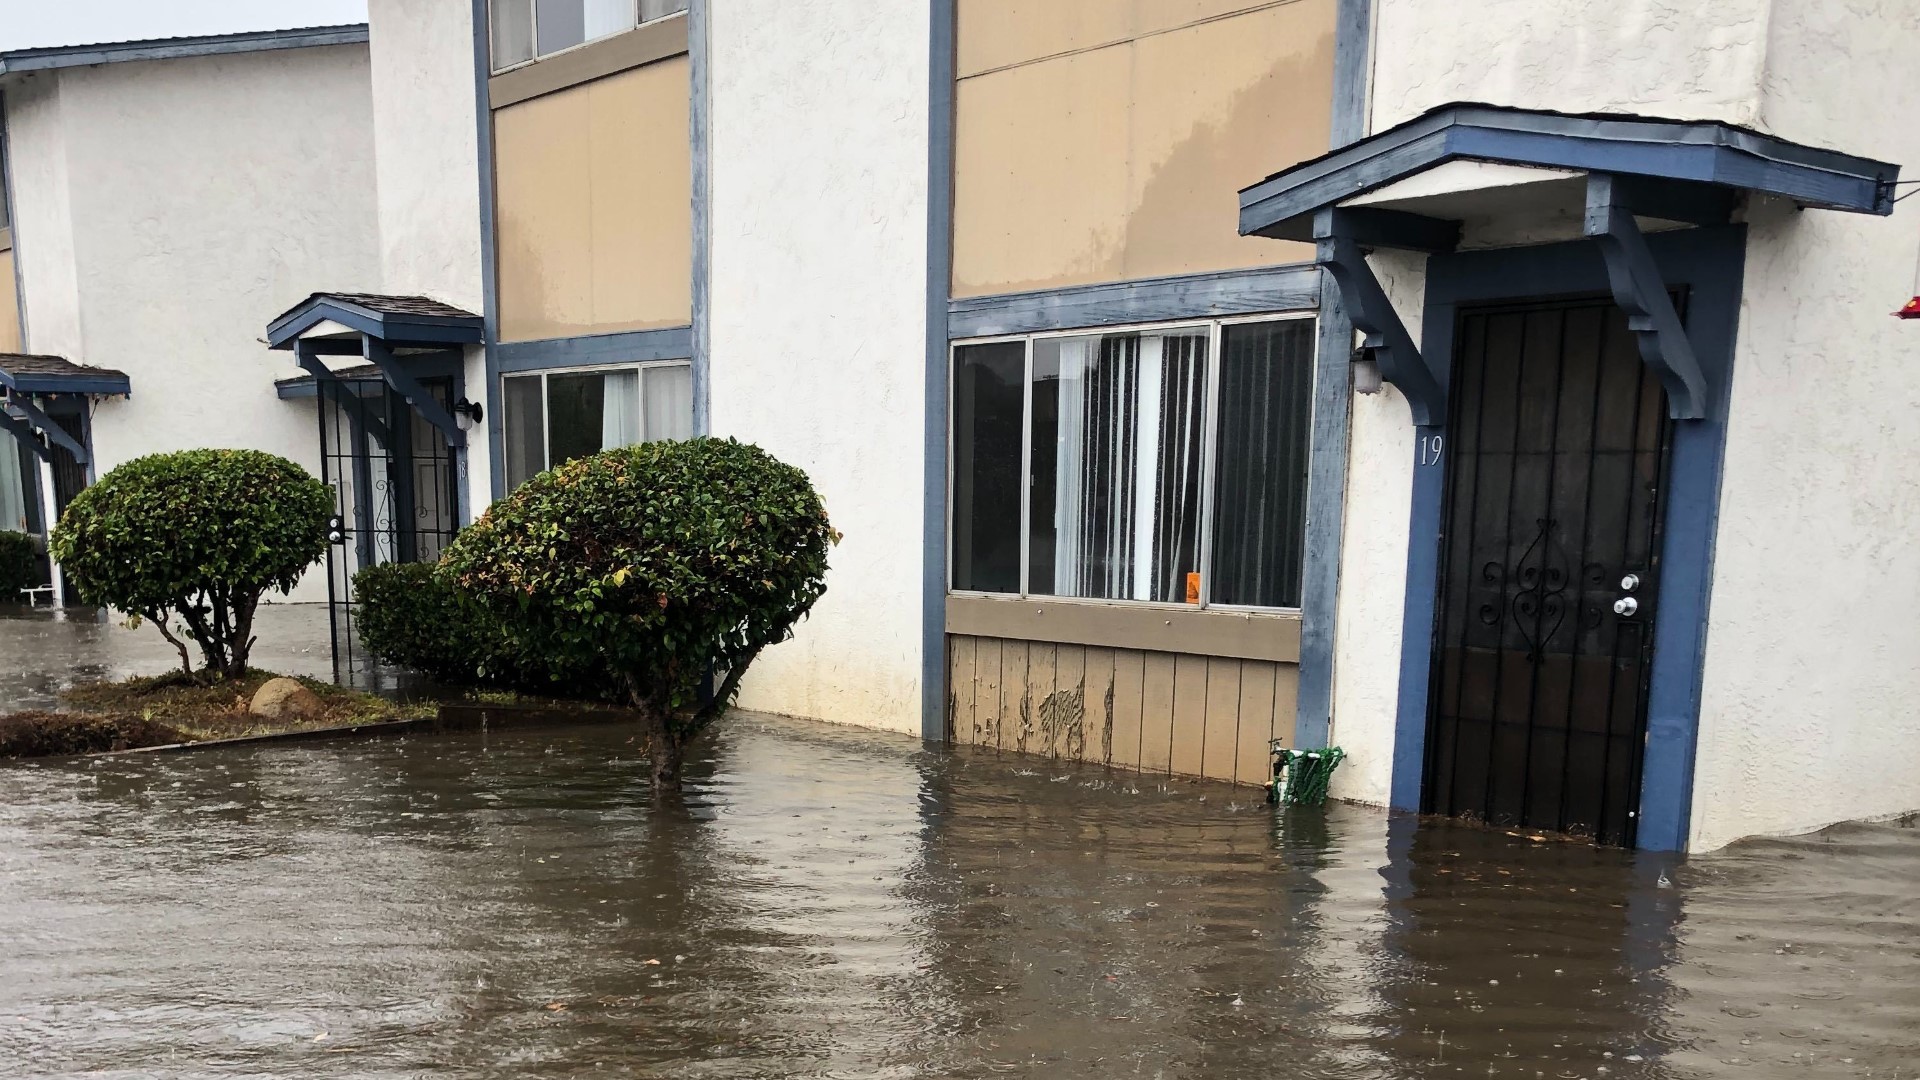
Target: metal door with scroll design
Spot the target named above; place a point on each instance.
(393, 476)
(1549, 572)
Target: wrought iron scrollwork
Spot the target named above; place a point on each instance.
(1541, 578)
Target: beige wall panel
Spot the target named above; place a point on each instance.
(1217, 106)
(1218, 756)
(1156, 712)
(1256, 722)
(961, 652)
(1189, 715)
(996, 33)
(594, 196)
(9, 308)
(1040, 187)
(1179, 121)
(1129, 686)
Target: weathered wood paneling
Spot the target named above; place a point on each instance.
(1157, 712)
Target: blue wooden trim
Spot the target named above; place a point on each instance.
(1706, 152)
(408, 387)
(1332, 407)
(933, 567)
(628, 347)
(66, 56)
(109, 384)
(489, 253)
(1291, 287)
(1386, 336)
(699, 60)
(27, 410)
(24, 434)
(1710, 263)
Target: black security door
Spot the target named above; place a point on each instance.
(1549, 574)
(393, 478)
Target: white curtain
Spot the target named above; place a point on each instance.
(620, 409)
(603, 17)
(669, 402)
(13, 500)
(1146, 464)
(1072, 535)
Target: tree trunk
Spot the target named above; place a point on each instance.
(664, 748)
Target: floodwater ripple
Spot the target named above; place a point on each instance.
(835, 903)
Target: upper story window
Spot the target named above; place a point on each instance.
(525, 30)
(1163, 465)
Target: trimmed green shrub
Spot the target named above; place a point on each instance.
(19, 565)
(660, 564)
(198, 536)
(412, 615)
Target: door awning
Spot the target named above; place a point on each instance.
(31, 386)
(1502, 172)
(387, 332)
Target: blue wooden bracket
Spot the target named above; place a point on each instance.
(1642, 293)
(30, 412)
(428, 406)
(24, 433)
(1339, 236)
(357, 412)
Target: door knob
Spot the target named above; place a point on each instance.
(1630, 583)
(1625, 607)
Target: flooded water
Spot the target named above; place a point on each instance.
(844, 904)
(43, 652)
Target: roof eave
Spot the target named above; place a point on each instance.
(67, 56)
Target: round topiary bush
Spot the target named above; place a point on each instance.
(196, 535)
(664, 564)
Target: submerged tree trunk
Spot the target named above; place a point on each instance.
(665, 746)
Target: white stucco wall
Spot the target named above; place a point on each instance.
(43, 221)
(1689, 59)
(819, 208)
(1813, 646)
(426, 161)
(201, 197)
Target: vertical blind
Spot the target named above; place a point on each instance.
(1115, 432)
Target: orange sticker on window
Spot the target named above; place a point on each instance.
(1193, 587)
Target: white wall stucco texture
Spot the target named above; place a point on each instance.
(819, 264)
(1808, 712)
(426, 161)
(1688, 59)
(200, 197)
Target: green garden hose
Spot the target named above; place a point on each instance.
(1300, 777)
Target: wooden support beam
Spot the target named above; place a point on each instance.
(1374, 316)
(1641, 292)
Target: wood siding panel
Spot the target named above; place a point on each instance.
(1129, 703)
(593, 190)
(1039, 700)
(1221, 725)
(1252, 761)
(961, 653)
(1156, 713)
(986, 692)
(1098, 731)
(1016, 706)
(1067, 719)
(1189, 715)
(1099, 141)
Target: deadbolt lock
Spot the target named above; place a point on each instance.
(1630, 583)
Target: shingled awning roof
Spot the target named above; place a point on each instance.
(400, 321)
(305, 386)
(26, 373)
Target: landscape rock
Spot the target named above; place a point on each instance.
(285, 699)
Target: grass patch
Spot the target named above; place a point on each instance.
(39, 734)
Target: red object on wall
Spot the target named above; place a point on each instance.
(1910, 311)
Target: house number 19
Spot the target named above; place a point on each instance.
(1430, 449)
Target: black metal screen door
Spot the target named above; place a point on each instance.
(1549, 571)
(392, 475)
